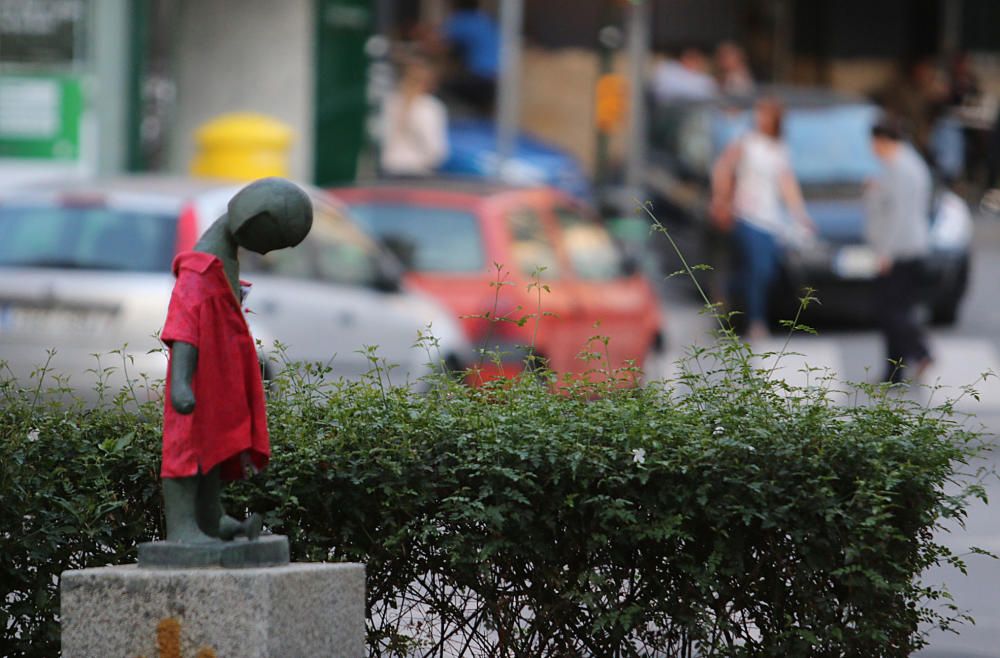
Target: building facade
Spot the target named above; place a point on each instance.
(102, 86)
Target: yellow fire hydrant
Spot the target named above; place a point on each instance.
(242, 147)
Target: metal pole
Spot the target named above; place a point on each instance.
(781, 51)
(432, 12)
(610, 40)
(508, 93)
(951, 31)
(637, 38)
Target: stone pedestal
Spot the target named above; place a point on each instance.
(306, 610)
(266, 551)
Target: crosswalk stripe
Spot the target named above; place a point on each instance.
(804, 362)
(960, 362)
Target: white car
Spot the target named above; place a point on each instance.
(85, 271)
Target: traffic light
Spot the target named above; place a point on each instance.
(611, 102)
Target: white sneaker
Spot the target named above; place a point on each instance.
(990, 203)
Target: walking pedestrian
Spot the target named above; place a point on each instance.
(898, 232)
(750, 181)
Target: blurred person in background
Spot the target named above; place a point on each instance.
(734, 74)
(898, 204)
(415, 130)
(472, 36)
(751, 181)
(971, 110)
(963, 83)
(917, 96)
(957, 151)
(684, 78)
(920, 98)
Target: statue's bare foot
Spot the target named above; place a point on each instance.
(252, 526)
(230, 528)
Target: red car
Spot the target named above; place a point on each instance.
(460, 239)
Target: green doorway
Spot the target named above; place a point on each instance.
(342, 29)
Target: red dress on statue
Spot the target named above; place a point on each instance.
(229, 416)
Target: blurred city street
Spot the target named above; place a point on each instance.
(453, 149)
(963, 354)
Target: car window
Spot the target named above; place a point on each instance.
(429, 238)
(533, 250)
(344, 254)
(335, 251)
(827, 145)
(292, 263)
(97, 238)
(591, 250)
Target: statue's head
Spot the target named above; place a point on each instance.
(269, 214)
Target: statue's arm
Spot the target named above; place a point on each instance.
(183, 361)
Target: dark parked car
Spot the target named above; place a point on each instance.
(828, 137)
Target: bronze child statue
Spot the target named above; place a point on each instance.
(214, 426)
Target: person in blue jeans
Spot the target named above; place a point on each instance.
(752, 185)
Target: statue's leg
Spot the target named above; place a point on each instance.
(180, 496)
(209, 503)
(212, 517)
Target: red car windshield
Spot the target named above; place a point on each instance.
(97, 238)
(427, 238)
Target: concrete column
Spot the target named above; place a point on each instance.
(108, 95)
(245, 56)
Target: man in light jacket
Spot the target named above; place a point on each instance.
(898, 231)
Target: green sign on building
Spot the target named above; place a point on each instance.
(40, 117)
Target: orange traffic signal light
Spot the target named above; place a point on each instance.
(611, 102)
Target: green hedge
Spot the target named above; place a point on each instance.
(720, 515)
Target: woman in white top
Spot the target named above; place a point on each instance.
(750, 182)
(415, 130)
